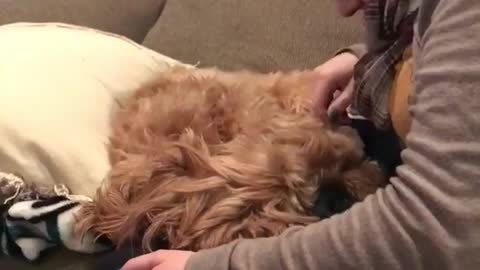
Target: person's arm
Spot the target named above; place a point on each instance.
(429, 217)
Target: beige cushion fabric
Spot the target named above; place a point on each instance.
(60, 85)
(263, 35)
(131, 18)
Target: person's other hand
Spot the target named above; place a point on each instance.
(159, 260)
(333, 91)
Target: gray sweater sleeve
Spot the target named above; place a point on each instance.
(429, 217)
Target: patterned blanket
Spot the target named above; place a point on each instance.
(32, 221)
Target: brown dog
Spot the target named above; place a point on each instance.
(204, 157)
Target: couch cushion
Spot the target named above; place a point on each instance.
(257, 34)
(131, 18)
(60, 85)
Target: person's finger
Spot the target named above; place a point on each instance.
(323, 95)
(144, 262)
(340, 104)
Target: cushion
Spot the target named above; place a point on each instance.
(130, 18)
(261, 35)
(60, 85)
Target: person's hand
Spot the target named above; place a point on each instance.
(334, 88)
(159, 260)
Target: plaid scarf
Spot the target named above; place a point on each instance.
(389, 32)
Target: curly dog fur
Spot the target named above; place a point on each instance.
(204, 157)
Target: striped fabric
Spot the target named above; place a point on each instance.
(30, 227)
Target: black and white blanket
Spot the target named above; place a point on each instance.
(32, 223)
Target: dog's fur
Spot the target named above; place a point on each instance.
(204, 157)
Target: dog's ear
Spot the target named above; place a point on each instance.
(359, 176)
(355, 141)
(337, 159)
(363, 180)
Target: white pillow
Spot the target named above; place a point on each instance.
(59, 86)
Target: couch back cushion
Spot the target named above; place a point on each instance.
(130, 18)
(262, 35)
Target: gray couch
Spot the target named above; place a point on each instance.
(230, 34)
